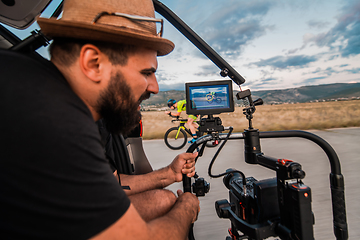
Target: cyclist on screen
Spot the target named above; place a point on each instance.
(210, 96)
(181, 106)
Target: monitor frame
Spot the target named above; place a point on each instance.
(209, 84)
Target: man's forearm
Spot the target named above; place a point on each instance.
(173, 225)
(154, 180)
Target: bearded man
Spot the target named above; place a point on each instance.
(55, 181)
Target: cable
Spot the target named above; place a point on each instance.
(215, 156)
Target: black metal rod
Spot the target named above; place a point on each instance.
(31, 43)
(58, 10)
(9, 36)
(330, 152)
(333, 158)
(268, 162)
(198, 41)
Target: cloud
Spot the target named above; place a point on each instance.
(311, 80)
(318, 70)
(285, 62)
(317, 24)
(330, 71)
(345, 34)
(353, 70)
(344, 65)
(270, 80)
(208, 70)
(229, 29)
(332, 57)
(264, 83)
(353, 42)
(171, 86)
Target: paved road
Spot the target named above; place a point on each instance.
(345, 141)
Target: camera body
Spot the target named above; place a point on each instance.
(269, 207)
(260, 201)
(296, 214)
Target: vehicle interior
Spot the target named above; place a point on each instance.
(17, 16)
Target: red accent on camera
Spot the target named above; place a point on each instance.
(231, 234)
(284, 161)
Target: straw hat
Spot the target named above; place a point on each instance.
(119, 21)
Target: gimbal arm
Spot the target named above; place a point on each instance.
(336, 178)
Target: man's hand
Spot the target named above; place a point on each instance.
(183, 163)
(116, 175)
(192, 202)
(167, 112)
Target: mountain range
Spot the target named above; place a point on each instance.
(326, 92)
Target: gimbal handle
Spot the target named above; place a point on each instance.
(187, 188)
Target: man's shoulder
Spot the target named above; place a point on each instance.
(37, 88)
(12, 62)
(22, 71)
(10, 55)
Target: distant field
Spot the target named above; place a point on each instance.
(300, 116)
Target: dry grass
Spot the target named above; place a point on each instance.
(301, 116)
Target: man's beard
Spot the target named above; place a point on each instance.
(118, 107)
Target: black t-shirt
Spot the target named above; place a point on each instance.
(55, 182)
(115, 150)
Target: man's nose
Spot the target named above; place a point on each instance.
(153, 85)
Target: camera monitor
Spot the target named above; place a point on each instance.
(209, 97)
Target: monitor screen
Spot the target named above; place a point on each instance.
(209, 97)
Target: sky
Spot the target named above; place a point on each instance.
(273, 44)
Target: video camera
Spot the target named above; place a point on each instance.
(258, 209)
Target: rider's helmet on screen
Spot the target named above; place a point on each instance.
(171, 102)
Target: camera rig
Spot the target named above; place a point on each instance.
(279, 206)
(287, 186)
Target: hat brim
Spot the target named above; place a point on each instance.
(70, 29)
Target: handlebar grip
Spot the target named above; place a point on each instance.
(187, 188)
(186, 180)
(339, 210)
(186, 183)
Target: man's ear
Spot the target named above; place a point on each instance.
(92, 62)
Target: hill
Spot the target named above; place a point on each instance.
(326, 92)
(310, 93)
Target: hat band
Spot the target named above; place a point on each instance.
(132, 17)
